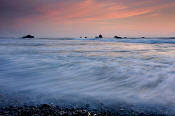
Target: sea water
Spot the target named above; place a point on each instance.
(134, 72)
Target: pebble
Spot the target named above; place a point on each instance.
(49, 110)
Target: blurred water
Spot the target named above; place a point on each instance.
(108, 71)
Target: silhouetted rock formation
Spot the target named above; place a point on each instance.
(28, 36)
(85, 37)
(142, 37)
(100, 36)
(117, 37)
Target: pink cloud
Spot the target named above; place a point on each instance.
(92, 10)
(92, 15)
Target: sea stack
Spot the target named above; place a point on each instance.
(117, 37)
(100, 36)
(28, 36)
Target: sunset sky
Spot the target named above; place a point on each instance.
(75, 18)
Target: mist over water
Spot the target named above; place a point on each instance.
(75, 71)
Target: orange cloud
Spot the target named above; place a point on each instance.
(129, 16)
(92, 10)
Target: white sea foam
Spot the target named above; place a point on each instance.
(133, 71)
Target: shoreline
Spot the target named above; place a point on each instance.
(54, 110)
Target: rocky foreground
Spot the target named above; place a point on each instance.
(48, 110)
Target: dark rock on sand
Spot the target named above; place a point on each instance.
(45, 106)
(28, 36)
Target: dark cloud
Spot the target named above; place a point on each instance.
(11, 11)
(14, 9)
(19, 8)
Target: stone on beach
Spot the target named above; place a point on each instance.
(52, 110)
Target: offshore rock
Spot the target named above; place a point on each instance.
(28, 36)
(100, 36)
(117, 37)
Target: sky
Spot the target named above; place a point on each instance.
(75, 18)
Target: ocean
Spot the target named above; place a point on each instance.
(134, 73)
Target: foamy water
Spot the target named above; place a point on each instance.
(108, 71)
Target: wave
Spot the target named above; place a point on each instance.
(109, 72)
